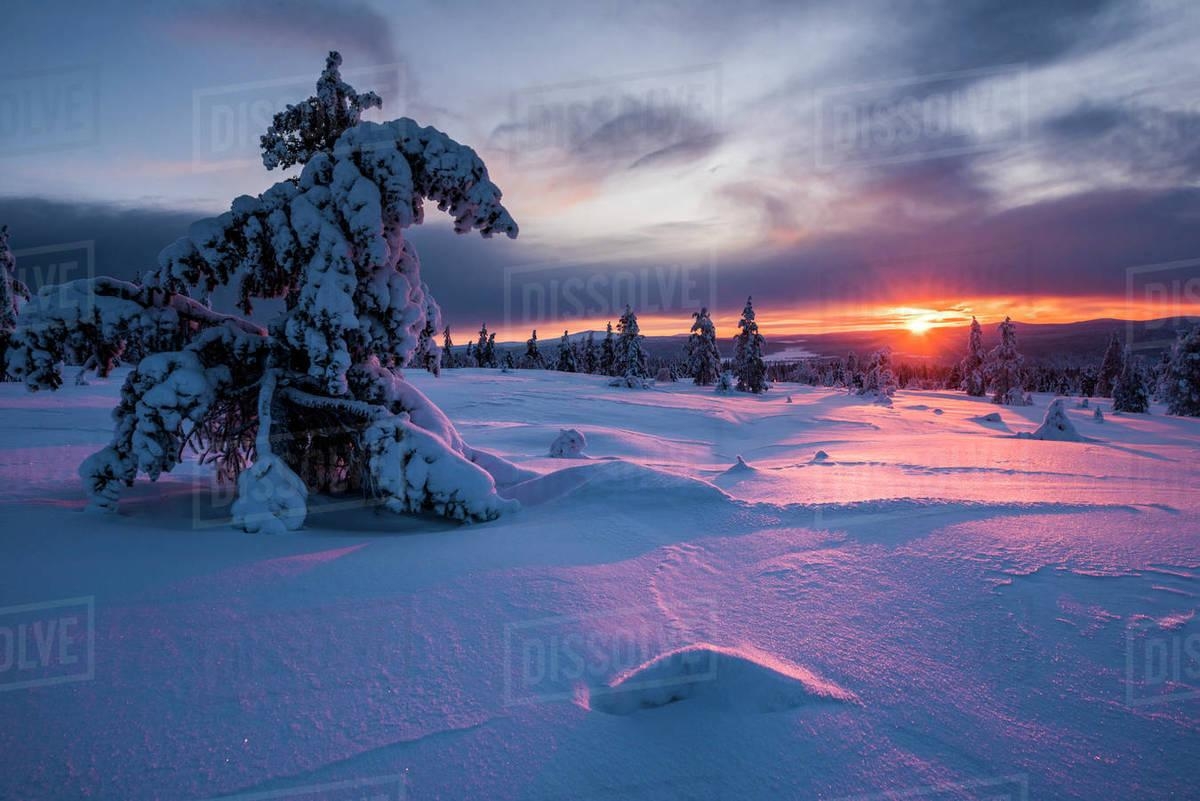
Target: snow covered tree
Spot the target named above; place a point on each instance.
(852, 375)
(1129, 392)
(481, 359)
(591, 357)
(608, 353)
(315, 402)
(1004, 369)
(533, 359)
(629, 361)
(971, 368)
(448, 359)
(879, 381)
(313, 126)
(1110, 368)
(12, 294)
(748, 365)
(703, 356)
(1181, 387)
(566, 356)
(427, 354)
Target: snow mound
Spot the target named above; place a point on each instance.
(739, 468)
(938, 411)
(271, 498)
(991, 417)
(605, 480)
(820, 456)
(1056, 426)
(741, 679)
(569, 444)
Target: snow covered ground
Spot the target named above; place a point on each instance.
(935, 609)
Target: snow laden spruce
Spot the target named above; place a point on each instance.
(12, 294)
(703, 356)
(315, 402)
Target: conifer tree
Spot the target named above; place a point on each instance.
(566, 356)
(1004, 369)
(703, 356)
(1110, 367)
(608, 353)
(591, 357)
(971, 369)
(448, 359)
(748, 366)
(630, 360)
(1129, 393)
(533, 359)
(879, 380)
(12, 293)
(1181, 387)
(316, 401)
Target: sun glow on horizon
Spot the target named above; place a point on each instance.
(917, 319)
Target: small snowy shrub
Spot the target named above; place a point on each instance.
(1056, 426)
(569, 444)
(725, 382)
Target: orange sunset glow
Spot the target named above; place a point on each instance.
(916, 317)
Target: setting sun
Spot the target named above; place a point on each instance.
(919, 326)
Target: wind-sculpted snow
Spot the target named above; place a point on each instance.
(983, 597)
(737, 679)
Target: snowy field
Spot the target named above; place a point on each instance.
(936, 609)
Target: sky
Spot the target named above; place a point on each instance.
(849, 164)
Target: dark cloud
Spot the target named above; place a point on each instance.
(1153, 143)
(988, 33)
(126, 240)
(354, 28)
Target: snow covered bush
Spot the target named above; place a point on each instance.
(316, 401)
(748, 365)
(1004, 369)
(1181, 381)
(566, 362)
(703, 356)
(725, 382)
(1056, 426)
(569, 444)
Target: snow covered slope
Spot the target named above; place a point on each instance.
(936, 609)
